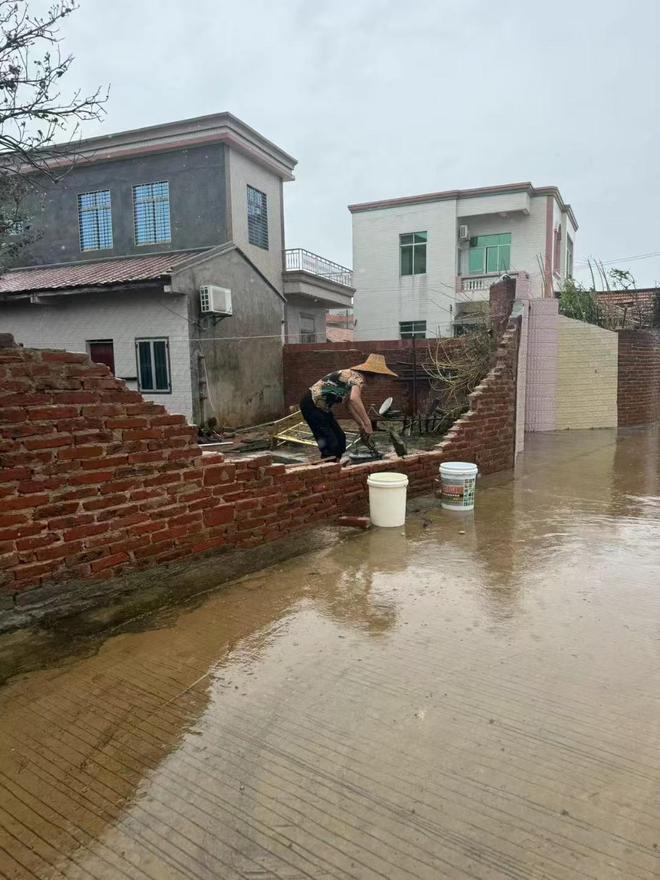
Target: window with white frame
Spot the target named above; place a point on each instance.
(569, 257)
(257, 206)
(153, 365)
(151, 213)
(412, 253)
(95, 220)
(412, 329)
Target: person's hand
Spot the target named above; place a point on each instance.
(366, 433)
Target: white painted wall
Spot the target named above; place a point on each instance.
(383, 297)
(527, 239)
(296, 307)
(69, 322)
(243, 172)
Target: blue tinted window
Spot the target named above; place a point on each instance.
(153, 365)
(257, 217)
(151, 206)
(95, 220)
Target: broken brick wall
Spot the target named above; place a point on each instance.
(638, 397)
(96, 482)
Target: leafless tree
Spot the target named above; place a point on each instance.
(35, 112)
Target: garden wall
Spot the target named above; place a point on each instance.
(571, 372)
(638, 400)
(95, 482)
(304, 364)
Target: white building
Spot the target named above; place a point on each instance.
(420, 261)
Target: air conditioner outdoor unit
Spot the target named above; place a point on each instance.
(463, 233)
(214, 300)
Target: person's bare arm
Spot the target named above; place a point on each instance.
(357, 410)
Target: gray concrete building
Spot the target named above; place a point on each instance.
(161, 252)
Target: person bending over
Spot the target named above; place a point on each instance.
(339, 387)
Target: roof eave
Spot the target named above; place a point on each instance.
(151, 283)
(454, 194)
(198, 131)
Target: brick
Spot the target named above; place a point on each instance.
(147, 528)
(109, 561)
(105, 501)
(159, 420)
(12, 519)
(51, 413)
(209, 544)
(58, 551)
(58, 508)
(142, 434)
(181, 454)
(214, 476)
(91, 477)
(105, 461)
(64, 357)
(32, 571)
(117, 512)
(11, 475)
(85, 531)
(35, 541)
(80, 452)
(145, 457)
(127, 422)
(50, 441)
(80, 397)
(224, 513)
(22, 502)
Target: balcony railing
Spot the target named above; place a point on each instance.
(298, 259)
(479, 283)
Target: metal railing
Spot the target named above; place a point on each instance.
(298, 259)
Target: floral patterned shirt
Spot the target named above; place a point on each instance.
(335, 388)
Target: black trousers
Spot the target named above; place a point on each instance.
(325, 428)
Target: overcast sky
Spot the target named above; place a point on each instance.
(381, 98)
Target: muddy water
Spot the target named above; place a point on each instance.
(465, 698)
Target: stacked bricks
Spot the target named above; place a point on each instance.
(95, 482)
(638, 398)
(502, 296)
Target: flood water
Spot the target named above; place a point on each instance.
(464, 698)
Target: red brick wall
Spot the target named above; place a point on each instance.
(638, 399)
(304, 364)
(639, 305)
(95, 482)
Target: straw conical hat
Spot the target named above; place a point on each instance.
(375, 363)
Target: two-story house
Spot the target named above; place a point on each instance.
(420, 263)
(161, 252)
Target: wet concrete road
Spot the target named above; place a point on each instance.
(474, 699)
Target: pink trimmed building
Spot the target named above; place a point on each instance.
(421, 262)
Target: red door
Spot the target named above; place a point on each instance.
(102, 351)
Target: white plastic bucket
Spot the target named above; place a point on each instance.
(387, 498)
(458, 480)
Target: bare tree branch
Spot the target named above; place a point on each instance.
(35, 111)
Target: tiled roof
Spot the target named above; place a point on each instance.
(95, 273)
